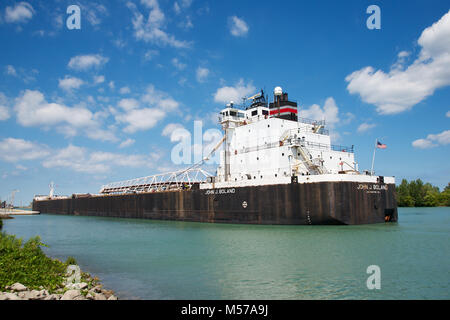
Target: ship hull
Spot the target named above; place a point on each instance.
(322, 203)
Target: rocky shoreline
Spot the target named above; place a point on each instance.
(74, 288)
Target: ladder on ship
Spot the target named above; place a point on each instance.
(306, 156)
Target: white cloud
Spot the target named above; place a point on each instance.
(4, 110)
(124, 90)
(33, 110)
(202, 74)
(447, 114)
(128, 104)
(111, 85)
(137, 118)
(329, 112)
(99, 79)
(235, 94)
(177, 64)
(187, 24)
(86, 62)
(433, 140)
(238, 27)
(152, 29)
(176, 8)
(14, 150)
(141, 119)
(126, 143)
(70, 83)
(363, 127)
(170, 128)
(11, 71)
(81, 160)
(159, 99)
(24, 75)
(4, 113)
(401, 89)
(150, 54)
(93, 12)
(21, 13)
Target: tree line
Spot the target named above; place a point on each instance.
(418, 194)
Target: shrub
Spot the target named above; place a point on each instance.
(71, 260)
(26, 263)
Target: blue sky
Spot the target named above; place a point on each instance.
(90, 106)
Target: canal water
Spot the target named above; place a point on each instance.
(143, 259)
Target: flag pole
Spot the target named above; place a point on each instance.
(373, 157)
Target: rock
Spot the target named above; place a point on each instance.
(112, 297)
(77, 286)
(18, 287)
(90, 296)
(99, 296)
(97, 289)
(8, 296)
(73, 274)
(33, 295)
(71, 295)
(23, 295)
(107, 293)
(52, 297)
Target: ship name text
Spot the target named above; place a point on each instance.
(219, 191)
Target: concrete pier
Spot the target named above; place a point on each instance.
(17, 212)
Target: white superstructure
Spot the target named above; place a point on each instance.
(268, 144)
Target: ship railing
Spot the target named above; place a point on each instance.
(312, 121)
(320, 146)
(176, 180)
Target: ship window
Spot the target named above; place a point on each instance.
(331, 157)
(254, 113)
(282, 154)
(261, 177)
(257, 158)
(232, 113)
(265, 112)
(275, 174)
(226, 113)
(268, 126)
(254, 177)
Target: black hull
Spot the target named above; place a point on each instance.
(346, 203)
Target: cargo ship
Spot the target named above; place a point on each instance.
(275, 168)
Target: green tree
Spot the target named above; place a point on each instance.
(403, 197)
(418, 194)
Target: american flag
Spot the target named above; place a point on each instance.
(381, 145)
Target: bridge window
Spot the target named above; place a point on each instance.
(254, 113)
(265, 112)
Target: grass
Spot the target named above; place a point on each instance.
(26, 263)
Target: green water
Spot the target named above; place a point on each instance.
(141, 259)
